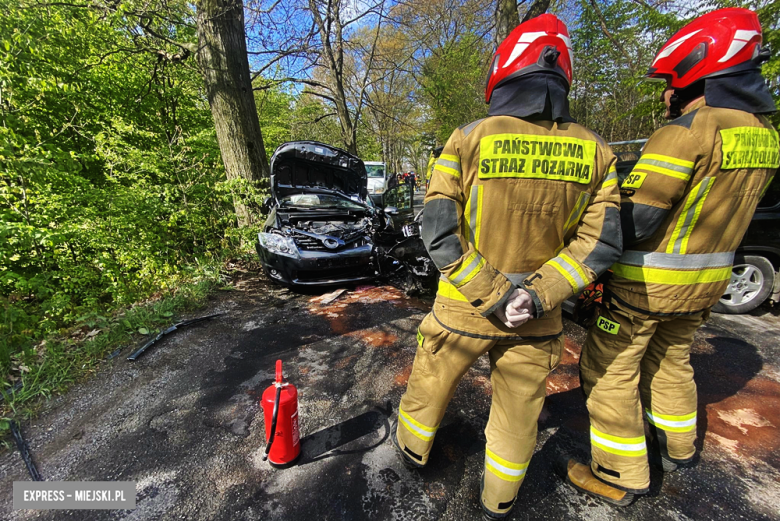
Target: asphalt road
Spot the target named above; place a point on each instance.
(184, 422)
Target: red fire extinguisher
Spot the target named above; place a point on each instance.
(280, 407)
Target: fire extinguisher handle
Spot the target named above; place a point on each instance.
(273, 417)
(279, 375)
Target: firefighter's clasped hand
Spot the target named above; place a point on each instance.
(517, 309)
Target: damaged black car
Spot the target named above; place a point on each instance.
(323, 230)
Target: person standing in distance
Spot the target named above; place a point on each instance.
(521, 214)
(685, 207)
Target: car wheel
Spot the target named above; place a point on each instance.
(752, 278)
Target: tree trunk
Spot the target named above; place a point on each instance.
(224, 65)
(507, 18)
(537, 8)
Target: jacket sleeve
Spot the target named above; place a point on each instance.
(657, 181)
(457, 259)
(593, 247)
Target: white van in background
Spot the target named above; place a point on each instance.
(378, 181)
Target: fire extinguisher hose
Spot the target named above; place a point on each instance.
(273, 422)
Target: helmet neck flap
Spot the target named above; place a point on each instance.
(538, 97)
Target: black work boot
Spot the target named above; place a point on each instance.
(661, 460)
(406, 459)
(667, 464)
(489, 515)
(581, 478)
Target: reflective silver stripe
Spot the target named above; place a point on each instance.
(574, 218)
(449, 164)
(677, 260)
(465, 272)
(517, 278)
(611, 444)
(504, 469)
(704, 187)
(474, 210)
(571, 269)
(664, 164)
(661, 422)
(611, 175)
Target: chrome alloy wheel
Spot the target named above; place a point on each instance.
(745, 285)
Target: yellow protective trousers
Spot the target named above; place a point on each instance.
(628, 356)
(518, 370)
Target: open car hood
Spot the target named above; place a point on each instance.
(302, 166)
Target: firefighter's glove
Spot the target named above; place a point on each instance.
(517, 309)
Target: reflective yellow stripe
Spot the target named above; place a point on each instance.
(766, 187)
(668, 159)
(611, 178)
(632, 447)
(446, 170)
(663, 171)
(671, 277)
(678, 242)
(749, 147)
(450, 157)
(576, 213)
(665, 165)
(468, 270)
(671, 423)
(420, 430)
(574, 218)
(420, 338)
(571, 271)
(446, 289)
(504, 469)
(528, 156)
(474, 212)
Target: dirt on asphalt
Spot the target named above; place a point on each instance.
(184, 422)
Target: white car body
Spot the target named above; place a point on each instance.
(377, 185)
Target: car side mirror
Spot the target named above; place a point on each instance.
(391, 210)
(266, 206)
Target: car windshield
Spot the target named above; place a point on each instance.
(375, 170)
(319, 201)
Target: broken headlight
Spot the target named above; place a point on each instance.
(278, 244)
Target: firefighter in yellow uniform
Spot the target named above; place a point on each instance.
(435, 153)
(685, 207)
(522, 213)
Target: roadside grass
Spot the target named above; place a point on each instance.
(59, 361)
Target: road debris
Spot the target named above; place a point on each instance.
(330, 297)
(133, 357)
(24, 450)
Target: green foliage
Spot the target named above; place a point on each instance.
(52, 365)
(453, 83)
(110, 176)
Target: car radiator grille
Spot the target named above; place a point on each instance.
(307, 243)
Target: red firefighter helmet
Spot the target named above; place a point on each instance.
(541, 44)
(711, 45)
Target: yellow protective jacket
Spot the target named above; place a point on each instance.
(686, 205)
(515, 203)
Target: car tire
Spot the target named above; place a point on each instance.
(752, 278)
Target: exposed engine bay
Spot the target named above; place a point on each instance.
(322, 228)
(397, 255)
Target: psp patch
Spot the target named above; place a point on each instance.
(608, 326)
